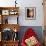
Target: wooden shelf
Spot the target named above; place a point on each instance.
(8, 11)
(11, 26)
(9, 43)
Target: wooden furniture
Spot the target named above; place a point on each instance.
(10, 43)
(5, 13)
(44, 8)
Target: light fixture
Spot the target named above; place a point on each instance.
(15, 3)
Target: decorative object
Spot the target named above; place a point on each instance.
(15, 30)
(5, 12)
(31, 41)
(30, 13)
(13, 12)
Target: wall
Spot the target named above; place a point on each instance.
(27, 3)
(39, 12)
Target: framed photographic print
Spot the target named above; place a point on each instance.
(5, 12)
(30, 13)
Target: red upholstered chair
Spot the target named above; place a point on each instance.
(29, 33)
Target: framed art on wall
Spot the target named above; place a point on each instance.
(30, 13)
(5, 12)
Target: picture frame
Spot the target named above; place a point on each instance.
(5, 12)
(30, 13)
